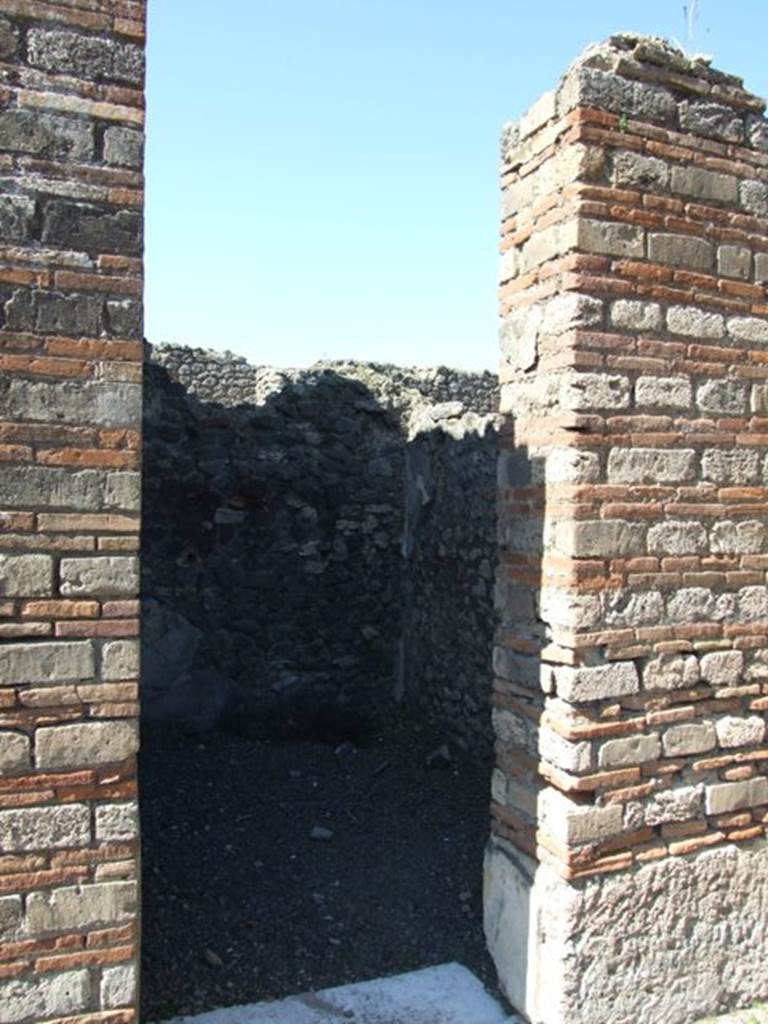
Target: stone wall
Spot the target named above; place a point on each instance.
(71, 116)
(628, 873)
(273, 565)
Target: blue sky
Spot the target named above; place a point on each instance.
(321, 174)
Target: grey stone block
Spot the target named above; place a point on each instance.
(49, 662)
(28, 1000)
(749, 328)
(722, 798)
(26, 575)
(611, 238)
(125, 318)
(638, 171)
(629, 750)
(601, 538)
(96, 403)
(9, 39)
(689, 738)
(81, 906)
(117, 823)
(14, 757)
(735, 731)
(51, 136)
(587, 684)
(632, 315)
(118, 986)
(54, 313)
(695, 323)
(663, 392)
(85, 56)
(101, 576)
(730, 467)
(726, 397)
(651, 465)
(88, 228)
(10, 915)
(27, 829)
(734, 261)
(702, 184)
(754, 197)
(51, 487)
(680, 251)
(16, 218)
(712, 121)
(124, 147)
(120, 660)
(677, 538)
(681, 804)
(84, 744)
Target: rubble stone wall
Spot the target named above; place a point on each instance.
(631, 794)
(281, 576)
(71, 138)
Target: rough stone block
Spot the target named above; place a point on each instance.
(600, 538)
(120, 660)
(11, 912)
(583, 392)
(740, 538)
(724, 797)
(680, 804)
(123, 491)
(91, 229)
(111, 576)
(29, 1000)
(677, 538)
(586, 684)
(81, 906)
(575, 824)
(712, 120)
(670, 671)
(118, 986)
(722, 668)
(733, 731)
(611, 238)
(752, 604)
(85, 56)
(632, 315)
(754, 197)
(749, 328)
(695, 323)
(125, 318)
(730, 467)
(45, 828)
(81, 745)
(16, 213)
(26, 575)
(54, 313)
(629, 750)
(680, 251)
(702, 184)
(633, 170)
(124, 147)
(689, 738)
(698, 604)
(566, 754)
(761, 268)
(651, 465)
(624, 608)
(734, 261)
(9, 39)
(49, 662)
(117, 823)
(14, 752)
(663, 392)
(93, 402)
(50, 136)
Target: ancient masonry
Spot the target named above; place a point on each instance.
(332, 541)
(627, 874)
(627, 879)
(71, 116)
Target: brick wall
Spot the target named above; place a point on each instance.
(628, 874)
(71, 116)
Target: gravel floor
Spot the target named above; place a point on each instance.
(241, 904)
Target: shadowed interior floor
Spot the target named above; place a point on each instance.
(241, 904)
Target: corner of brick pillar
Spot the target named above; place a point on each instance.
(627, 872)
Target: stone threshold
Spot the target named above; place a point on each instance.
(446, 994)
